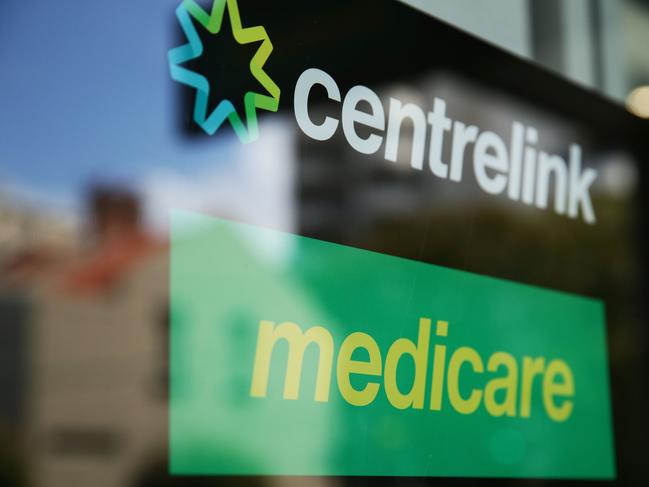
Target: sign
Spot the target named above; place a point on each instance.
(294, 356)
(520, 169)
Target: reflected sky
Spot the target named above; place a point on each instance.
(86, 95)
(89, 101)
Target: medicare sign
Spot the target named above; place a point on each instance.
(337, 361)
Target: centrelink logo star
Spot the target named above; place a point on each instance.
(211, 122)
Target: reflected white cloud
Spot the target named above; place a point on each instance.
(254, 185)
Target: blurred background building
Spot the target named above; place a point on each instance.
(84, 347)
(597, 43)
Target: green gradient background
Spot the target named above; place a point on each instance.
(226, 277)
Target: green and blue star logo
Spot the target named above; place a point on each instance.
(211, 122)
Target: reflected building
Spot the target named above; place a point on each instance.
(89, 348)
(88, 338)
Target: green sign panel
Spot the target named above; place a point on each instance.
(293, 356)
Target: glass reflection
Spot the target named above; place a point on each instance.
(92, 164)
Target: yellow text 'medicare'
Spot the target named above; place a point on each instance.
(508, 383)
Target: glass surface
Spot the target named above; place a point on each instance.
(596, 43)
(99, 144)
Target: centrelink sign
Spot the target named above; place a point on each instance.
(519, 170)
(337, 361)
(515, 168)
